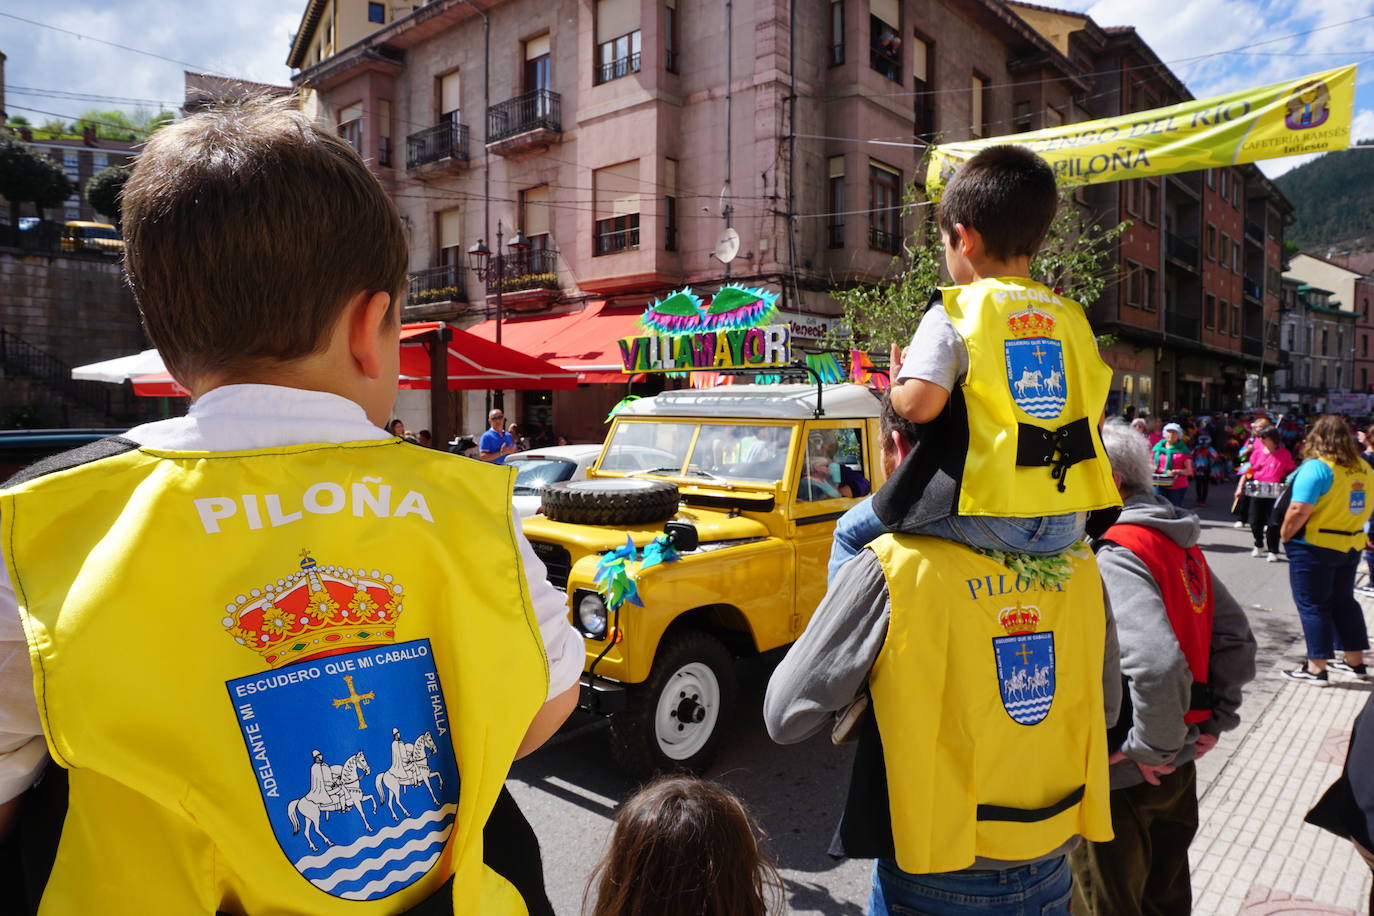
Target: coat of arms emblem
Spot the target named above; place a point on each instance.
(1035, 364)
(347, 732)
(1025, 665)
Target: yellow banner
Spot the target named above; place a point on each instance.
(1309, 114)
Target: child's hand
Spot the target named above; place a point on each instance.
(895, 360)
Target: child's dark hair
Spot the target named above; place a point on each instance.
(248, 228)
(1008, 194)
(684, 846)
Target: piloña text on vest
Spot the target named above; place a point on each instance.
(370, 496)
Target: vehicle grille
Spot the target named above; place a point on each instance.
(557, 560)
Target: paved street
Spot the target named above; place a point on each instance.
(1253, 854)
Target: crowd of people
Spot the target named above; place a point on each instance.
(1026, 711)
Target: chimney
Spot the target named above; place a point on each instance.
(88, 135)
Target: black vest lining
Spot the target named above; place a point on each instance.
(73, 458)
(1337, 531)
(1030, 815)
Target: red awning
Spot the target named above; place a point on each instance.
(158, 385)
(583, 342)
(475, 363)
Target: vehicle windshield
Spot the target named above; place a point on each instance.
(100, 232)
(533, 474)
(732, 451)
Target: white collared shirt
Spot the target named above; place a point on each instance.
(232, 418)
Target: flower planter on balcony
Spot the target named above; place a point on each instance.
(529, 280)
(532, 121)
(436, 291)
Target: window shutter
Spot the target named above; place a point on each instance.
(919, 50)
(351, 113)
(617, 190)
(976, 95)
(615, 18)
(670, 178)
(836, 166)
(450, 94)
(537, 211)
(887, 10)
(450, 228)
(383, 117)
(537, 47)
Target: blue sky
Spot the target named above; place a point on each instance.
(250, 39)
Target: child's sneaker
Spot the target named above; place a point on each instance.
(1301, 673)
(1273, 558)
(1257, 552)
(1360, 671)
(1238, 524)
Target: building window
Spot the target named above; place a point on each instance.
(1223, 317)
(978, 91)
(449, 250)
(1237, 191)
(99, 161)
(836, 32)
(617, 57)
(450, 98)
(1235, 257)
(538, 67)
(1224, 250)
(1021, 119)
(1324, 333)
(923, 71)
(1148, 301)
(1209, 312)
(834, 230)
(1211, 236)
(884, 39)
(351, 125)
(1132, 187)
(670, 36)
(376, 12)
(1235, 321)
(1211, 178)
(670, 204)
(884, 198)
(536, 223)
(617, 208)
(1135, 283)
(1151, 195)
(1225, 184)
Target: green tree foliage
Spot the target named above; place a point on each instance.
(1076, 259)
(26, 177)
(1333, 200)
(120, 125)
(103, 190)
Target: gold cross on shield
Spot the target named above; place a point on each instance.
(356, 700)
(1038, 353)
(1024, 653)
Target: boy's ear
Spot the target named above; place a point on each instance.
(371, 331)
(970, 240)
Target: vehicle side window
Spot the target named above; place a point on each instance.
(739, 451)
(834, 466)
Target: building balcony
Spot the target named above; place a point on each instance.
(531, 121)
(435, 291)
(1252, 289)
(1184, 251)
(437, 151)
(528, 279)
(1255, 231)
(882, 240)
(1252, 346)
(615, 69)
(886, 61)
(1183, 326)
(834, 235)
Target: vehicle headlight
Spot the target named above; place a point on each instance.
(591, 615)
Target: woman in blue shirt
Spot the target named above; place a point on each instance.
(1324, 531)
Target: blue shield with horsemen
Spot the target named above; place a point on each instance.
(354, 760)
(1025, 675)
(1035, 375)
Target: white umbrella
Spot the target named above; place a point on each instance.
(121, 368)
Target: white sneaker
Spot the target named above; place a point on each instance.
(1273, 558)
(1256, 552)
(1238, 525)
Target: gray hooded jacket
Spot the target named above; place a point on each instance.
(1152, 662)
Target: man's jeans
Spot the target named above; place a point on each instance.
(1041, 536)
(1323, 583)
(1042, 889)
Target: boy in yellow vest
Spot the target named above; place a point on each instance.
(1005, 374)
(283, 659)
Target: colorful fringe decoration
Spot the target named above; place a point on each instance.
(731, 307)
(861, 371)
(679, 313)
(826, 367)
(621, 405)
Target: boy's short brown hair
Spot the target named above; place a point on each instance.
(247, 229)
(1008, 194)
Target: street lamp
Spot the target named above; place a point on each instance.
(493, 271)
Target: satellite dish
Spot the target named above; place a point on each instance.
(728, 246)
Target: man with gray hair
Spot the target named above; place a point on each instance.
(1186, 652)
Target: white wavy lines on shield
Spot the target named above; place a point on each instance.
(373, 888)
(343, 875)
(367, 841)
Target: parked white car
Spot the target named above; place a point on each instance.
(536, 468)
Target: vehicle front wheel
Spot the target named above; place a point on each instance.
(673, 721)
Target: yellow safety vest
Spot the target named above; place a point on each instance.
(237, 654)
(1337, 520)
(1035, 390)
(988, 698)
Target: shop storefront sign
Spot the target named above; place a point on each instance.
(734, 331)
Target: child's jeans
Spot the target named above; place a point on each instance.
(1041, 536)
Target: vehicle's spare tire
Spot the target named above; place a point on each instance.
(611, 501)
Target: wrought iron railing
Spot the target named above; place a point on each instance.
(20, 357)
(541, 108)
(615, 69)
(448, 140)
(882, 240)
(437, 284)
(536, 268)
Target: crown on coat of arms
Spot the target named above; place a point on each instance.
(316, 610)
(1030, 322)
(1018, 620)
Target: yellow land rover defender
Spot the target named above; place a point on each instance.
(748, 481)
